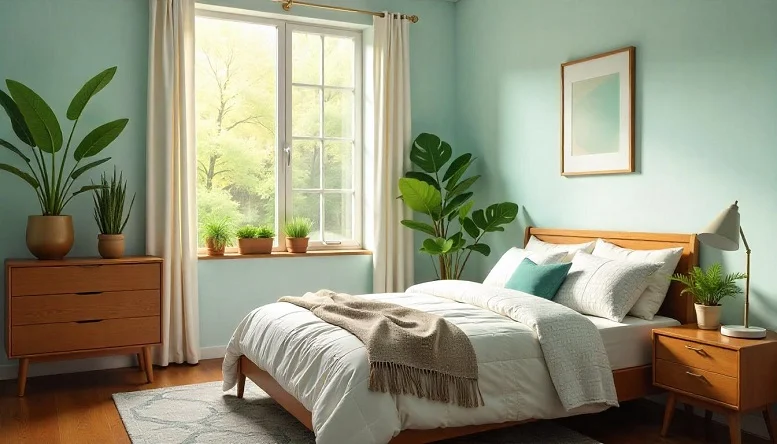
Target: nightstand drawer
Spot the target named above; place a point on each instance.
(75, 336)
(31, 281)
(51, 309)
(698, 382)
(694, 354)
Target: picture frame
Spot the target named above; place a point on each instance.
(597, 114)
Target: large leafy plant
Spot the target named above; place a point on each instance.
(441, 192)
(711, 286)
(51, 174)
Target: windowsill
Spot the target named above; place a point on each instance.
(282, 254)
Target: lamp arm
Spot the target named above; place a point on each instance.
(747, 279)
(744, 240)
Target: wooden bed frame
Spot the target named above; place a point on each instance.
(630, 383)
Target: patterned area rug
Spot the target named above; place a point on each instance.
(201, 413)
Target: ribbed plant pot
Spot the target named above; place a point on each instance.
(213, 250)
(110, 246)
(49, 237)
(708, 316)
(297, 244)
(261, 245)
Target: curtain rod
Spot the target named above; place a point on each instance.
(287, 4)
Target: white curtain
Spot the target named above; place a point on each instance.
(171, 215)
(393, 243)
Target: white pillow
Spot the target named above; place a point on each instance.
(604, 287)
(569, 250)
(503, 270)
(651, 299)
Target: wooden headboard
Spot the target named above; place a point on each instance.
(675, 305)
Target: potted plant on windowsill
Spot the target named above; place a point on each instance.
(50, 234)
(708, 288)
(218, 235)
(297, 231)
(109, 212)
(255, 240)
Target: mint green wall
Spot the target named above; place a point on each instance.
(56, 45)
(706, 118)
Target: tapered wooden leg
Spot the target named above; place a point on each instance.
(141, 363)
(734, 427)
(668, 413)
(241, 379)
(770, 424)
(707, 423)
(147, 363)
(24, 364)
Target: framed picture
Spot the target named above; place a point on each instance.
(597, 114)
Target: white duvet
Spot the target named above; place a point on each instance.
(326, 368)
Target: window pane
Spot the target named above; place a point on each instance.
(306, 58)
(235, 93)
(338, 165)
(338, 113)
(306, 111)
(338, 216)
(338, 61)
(308, 205)
(306, 164)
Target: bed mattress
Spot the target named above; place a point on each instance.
(628, 343)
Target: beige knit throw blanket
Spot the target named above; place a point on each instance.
(410, 352)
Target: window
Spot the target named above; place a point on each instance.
(279, 109)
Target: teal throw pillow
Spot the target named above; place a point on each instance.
(539, 280)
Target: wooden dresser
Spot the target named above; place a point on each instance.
(77, 308)
(720, 374)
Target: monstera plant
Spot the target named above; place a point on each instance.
(440, 191)
(45, 167)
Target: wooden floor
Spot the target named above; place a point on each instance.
(77, 408)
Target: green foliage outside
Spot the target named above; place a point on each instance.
(711, 286)
(442, 194)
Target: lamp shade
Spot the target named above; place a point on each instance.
(723, 232)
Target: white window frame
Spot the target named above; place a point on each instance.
(283, 142)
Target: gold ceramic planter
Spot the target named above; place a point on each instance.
(110, 246)
(49, 237)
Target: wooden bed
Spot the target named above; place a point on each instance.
(630, 383)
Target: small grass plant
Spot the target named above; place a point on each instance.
(298, 228)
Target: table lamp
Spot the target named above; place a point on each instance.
(723, 233)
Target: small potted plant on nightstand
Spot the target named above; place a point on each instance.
(217, 234)
(109, 215)
(255, 240)
(297, 231)
(708, 288)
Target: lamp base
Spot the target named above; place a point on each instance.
(740, 331)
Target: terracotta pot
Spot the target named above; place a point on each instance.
(297, 244)
(110, 246)
(260, 245)
(708, 317)
(212, 250)
(49, 237)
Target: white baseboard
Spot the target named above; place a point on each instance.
(9, 371)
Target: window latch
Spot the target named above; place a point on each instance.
(332, 242)
(287, 150)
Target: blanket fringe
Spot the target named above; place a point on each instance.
(401, 379)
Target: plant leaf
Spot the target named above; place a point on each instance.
(40, 119)
(495, 216)
(419, 226)
(88, 167)
(21, 174)
(462, 161)
(430, 153)
(18, 124)
(420, 196)
(470, 227)
(90, 88)
(465, 209)
(462, 186)
(14, 149)
(454, 180)
(483, 249)
(423, 177)
(458, 242)
(453, 205)
(99, 138)
(86, 188)
(430, 246)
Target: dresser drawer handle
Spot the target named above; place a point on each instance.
(698, 350)
(89, 321)
(697, 376)
(83, 293)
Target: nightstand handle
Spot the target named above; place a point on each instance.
(695, 375)
(697, 350)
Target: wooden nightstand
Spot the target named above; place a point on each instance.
(720, 374)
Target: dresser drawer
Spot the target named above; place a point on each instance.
(85, 307)
(74, 336)
(698, 382)
(29, 281)
(694, 354)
